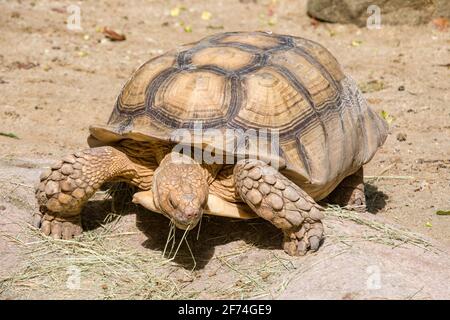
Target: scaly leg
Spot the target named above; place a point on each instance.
(350, 192)
(68, 184)
(277, 199)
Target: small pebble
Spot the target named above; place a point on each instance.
(401, 136)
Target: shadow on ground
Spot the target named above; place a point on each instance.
(375, 199)
(212, 232)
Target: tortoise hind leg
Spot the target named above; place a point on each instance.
(67, 186)
(277, 199)
(350, 192)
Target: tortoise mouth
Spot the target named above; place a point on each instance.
(182, 223)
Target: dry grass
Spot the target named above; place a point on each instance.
(111, 269)
(104, 265)
(383, 233)
(266, 278)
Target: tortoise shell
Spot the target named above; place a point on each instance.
(254, 80)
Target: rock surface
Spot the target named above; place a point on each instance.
(394, 12)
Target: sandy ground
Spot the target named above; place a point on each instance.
(55, 82)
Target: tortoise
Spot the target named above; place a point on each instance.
(228, 88)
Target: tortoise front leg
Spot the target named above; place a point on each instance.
(68, 184)
(277, 199)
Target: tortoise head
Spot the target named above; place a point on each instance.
(180, 189)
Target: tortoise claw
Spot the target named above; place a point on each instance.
(61, 228)
(307, 238)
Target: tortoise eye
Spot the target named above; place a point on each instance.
(172, 203)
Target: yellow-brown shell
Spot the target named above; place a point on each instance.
(255, 80)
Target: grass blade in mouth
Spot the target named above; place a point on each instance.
(192, 254)
(181, 241)
(199, 227)
(170, 236)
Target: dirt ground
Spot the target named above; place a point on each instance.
(55, 82)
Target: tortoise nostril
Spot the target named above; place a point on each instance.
(190, 212)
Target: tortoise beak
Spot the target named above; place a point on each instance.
(188, 218)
